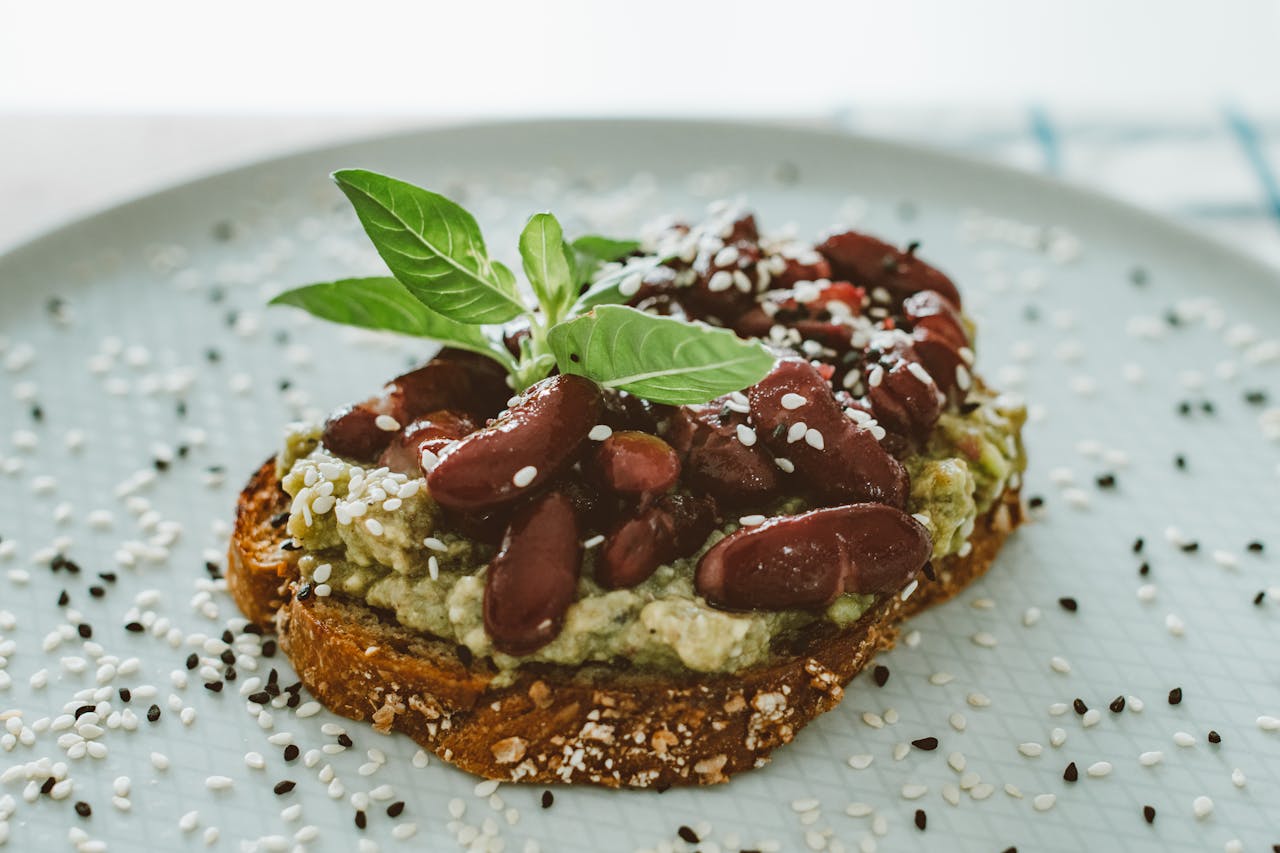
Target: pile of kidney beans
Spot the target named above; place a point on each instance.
(884, 351)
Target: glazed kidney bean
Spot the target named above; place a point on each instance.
(673, 527)
(903, 398)
(808, 268)
(837, 459)
(929, 309)
(453, 379)
(715, 460)
(433, 432)
(532, 580)
(636, 463)
(805, 561)
(718, 292)
(520, 451)
(941, 358)
(869, 262)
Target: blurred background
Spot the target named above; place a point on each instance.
(1174, 105)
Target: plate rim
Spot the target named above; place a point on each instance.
(946, 158)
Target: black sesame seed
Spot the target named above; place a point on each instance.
(284, 787)
(1031, 313)
(1138, 276)
(304, 592)
(213, 569)
(279, 520)
(293, 701)
(1257, 599)
(1035, 502)
(1207, 407)
(1190, 547)
(253, 628)
(547, 799)
(921, 819)
(109, 577)
(153, 713)
(1148, 814)
(269, 649)
(1144, 569)
(1071, 774)
(1106, 481)
(1080, 707)
(1214, 737)
(1172, 318)
(688, 835)
(48, 785)
(881, 675)
(1184, 408)
(1255, 546)
(228, 657)
(213, 686)
(290, 545)
(37, 413)
(464, 655)
(1117, 705)
(928, 571)
(161, 465)
(193, 660)
(1138, 545)
(83, 809)
(1255, 398)
(134, 627)
(125, 694)
(63, 598)
(230, 674)
(362, 820)
(928, 744)
(1068, 603)
(395, 809)
(1180, 462)
(97, 591)
(1175, 696)
(262, 697)
(85, 630)
(345, 740)
(84, 709)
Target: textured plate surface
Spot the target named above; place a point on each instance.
(143, 331)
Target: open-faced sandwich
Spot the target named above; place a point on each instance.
(641, 533)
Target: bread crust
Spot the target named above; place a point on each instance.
(595, 723)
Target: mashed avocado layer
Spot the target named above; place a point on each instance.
(378, 537)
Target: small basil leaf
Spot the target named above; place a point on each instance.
(433, 247)
(605, 248)
(549, 267)
(385, 304)
(657, 358)
(615, 286)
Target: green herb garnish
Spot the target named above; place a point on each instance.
(448, 289)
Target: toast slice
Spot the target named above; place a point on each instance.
(600, 724)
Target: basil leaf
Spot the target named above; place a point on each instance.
(658, 358)
(615, 286)
(385, 304)
(433, 247)
(605, 248)
(548, 265)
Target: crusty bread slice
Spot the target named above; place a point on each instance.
(600, 724)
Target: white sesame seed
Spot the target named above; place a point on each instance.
(785, 465)
(876, 376)
(1030, 749)
(814, 439)
(796, 431)
(188, 821)
(1044, 802)
(593, 542)
(914, 791)
(308, 709)
(746, 435)
(1174, 624)
(218, 783)
(1147, 593)
(941, 678)
(433, 567)
(1099, 769)
(751, 520)
(322, 573)
(1057, 736)
(1060, 664)
(1091, 718)
(1031, 616)
(386, 423)
(1268, 723)
(486, 788)
(403, 831)
(873, 719)
(982, 791)
(1183, 739)
(984, 639)
(600, 432)
(1150, 759)
(957, 721)
(254, 760)
(792, 401)
(373, 526)
(1237, 778)
(858, 809)
(806, 805)
(860, 761)
(1202, 807)
(159, 761)
(1135, 704)
(524, 476)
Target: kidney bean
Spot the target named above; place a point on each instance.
(941, 358)
(532, 580)
(838, 460)
(636, 463)
(454, 379)
(715, 460)
(901, 398)
(869, 262)
(433, 432)
(723, 303)
(520, 451)
(673, 527)
(929, 309)
(807, 560)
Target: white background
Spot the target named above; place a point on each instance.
(466, 57)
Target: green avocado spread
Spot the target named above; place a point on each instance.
(378, 537)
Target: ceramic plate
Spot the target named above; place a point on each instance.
(143, 379)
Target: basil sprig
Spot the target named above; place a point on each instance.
(448, 289)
